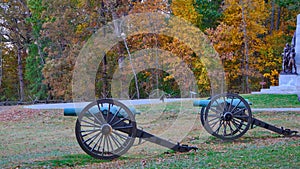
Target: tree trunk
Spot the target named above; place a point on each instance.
(104, 76)
(278, 18)
(20, 73)
(272, 16)
(1, 73)
(132, 68)
(40, 51)
(246, 50)
(118, 33)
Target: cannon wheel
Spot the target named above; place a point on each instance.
(227, 116)
(105, 129)
(202, 116)
(202, 113)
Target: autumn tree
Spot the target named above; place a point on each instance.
(16, 31)
(71, 24)
(9, 81)
(36, 57)
(238, 41)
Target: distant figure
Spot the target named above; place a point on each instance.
(292, 62)
(288, 60)
(285, 58)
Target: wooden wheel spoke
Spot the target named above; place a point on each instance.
(91, 139)
(215, 123)
(121, 136)
(230, 105)
(213, 115)
(119, 121)
(108, 112)
(96, 118)
(115, 115)
(219, 105)
(116, 141)
(100, 138)
(238, 125)
(239, 111)
(91, 132)
(236, 106)
(216, 118)
(110, 143)
(92, 124)
(216, 111)
(100, 142)
(225, 104)
(220, 125)
(240, 122)
(231, 129)
(224, 131)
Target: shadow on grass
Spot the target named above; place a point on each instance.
(259, 135)
(69, 161)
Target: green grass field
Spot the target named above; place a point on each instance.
(46, 139)
(273, 100)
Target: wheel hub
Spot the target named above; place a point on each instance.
(106, 129)
(228, 116)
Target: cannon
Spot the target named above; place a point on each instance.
(106, 128)
(228, 116)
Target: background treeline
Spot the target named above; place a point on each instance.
(40, 40)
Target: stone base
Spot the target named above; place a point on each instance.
(289, 80)
(288, 84)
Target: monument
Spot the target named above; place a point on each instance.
(297, 45)
(289, 78)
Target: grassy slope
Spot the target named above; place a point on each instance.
(279, 155)
(273, 100)
(50, 143)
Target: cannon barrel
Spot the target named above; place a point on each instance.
(114, 109)
(233, 102)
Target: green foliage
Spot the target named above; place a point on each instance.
(148, 87)
(34, 66)
(290, 4)
(210, 11)
(36, 56)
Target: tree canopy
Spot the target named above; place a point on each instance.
(41, 39)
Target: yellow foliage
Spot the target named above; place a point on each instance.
(273, 77)
(80, 28)
(167, 78)
(186, 10)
